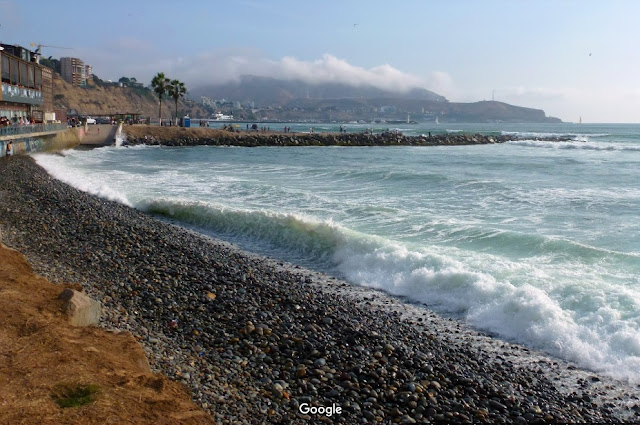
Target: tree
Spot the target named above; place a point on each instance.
(51, 63)
(160, 84)
(176, 90)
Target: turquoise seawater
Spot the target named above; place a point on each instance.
(535, 242)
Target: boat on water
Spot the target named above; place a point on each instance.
(221, 117)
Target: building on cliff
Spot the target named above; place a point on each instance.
(74, 71)
(88, 71)
(27, 86)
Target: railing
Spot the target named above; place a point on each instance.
(15, 130)
(12, 93)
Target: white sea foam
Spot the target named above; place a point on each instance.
(535, 134)
(119, 139)
(58, 167)
(577, 144)
(599, 341)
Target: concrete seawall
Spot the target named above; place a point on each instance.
(37, 142)
(99, 135)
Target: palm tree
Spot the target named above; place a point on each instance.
(176, 90)
(160, 85)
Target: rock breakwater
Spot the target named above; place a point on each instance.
(192, 137)
(174, 136)
(258, 341)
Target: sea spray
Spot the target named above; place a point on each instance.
(583, 143)
(90, 183)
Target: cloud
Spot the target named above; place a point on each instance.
(223, 66)
(441, 83)
(143, 61)
(331, 69)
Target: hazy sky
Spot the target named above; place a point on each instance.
(571, 58)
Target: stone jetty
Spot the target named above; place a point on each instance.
(261, 341)
(318, 139)
(173, 136)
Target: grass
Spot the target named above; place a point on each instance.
(74, 395)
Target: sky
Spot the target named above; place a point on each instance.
(573, 59)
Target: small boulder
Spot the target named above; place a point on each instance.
(80, 309)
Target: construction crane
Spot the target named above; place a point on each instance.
(39, 46)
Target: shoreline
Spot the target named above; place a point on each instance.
(255, 337)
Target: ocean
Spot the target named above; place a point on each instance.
(530, 241)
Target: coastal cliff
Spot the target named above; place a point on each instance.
(103, 99)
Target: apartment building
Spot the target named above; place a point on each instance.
(88, 71)
(73, 71)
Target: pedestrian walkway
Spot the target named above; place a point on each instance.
(99, 135)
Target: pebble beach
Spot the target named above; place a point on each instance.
(257, 340)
